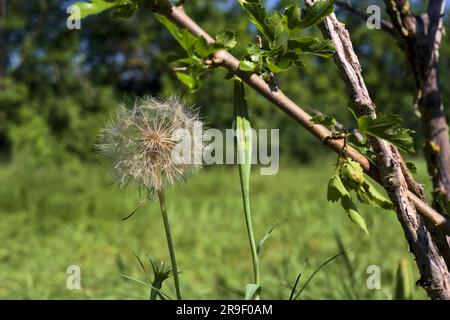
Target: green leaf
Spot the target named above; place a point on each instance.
(387, 127)
(257, 13)
(336, 189)
(274, 22)
(294, 22)
(316, 13)
(292, 18)
(324, 120)
(311, 45)
(186, 39)
(353, 213)
(283, 65)
(226, 39)
(146, 284)
(294, 287)
(362, 146)
(263, 240)
(368, 194)
(352, 177)
(352, 174)
(188, 80)
(246, 65)
(251, 291)
(96, 6)
(203, 48)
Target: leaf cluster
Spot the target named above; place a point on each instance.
(350, 177)
(280, 46)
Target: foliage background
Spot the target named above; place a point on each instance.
(57, 206)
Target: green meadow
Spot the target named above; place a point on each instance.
(71, 214)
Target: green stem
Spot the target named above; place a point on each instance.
(162, 202)
(154, 290)
(251, 237)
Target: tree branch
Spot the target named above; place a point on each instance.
(436, 12)
(277, 97)
(347, 6)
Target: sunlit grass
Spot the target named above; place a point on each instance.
(54, 217)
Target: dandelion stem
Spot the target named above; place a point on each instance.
(162, 202)
(251, 237)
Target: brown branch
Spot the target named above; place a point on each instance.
(430, 263)
(277, 97)
(435, 277)
(347, 6)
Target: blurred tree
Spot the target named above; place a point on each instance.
(60, 85)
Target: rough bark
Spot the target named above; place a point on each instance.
(420, 38)
(435, 278)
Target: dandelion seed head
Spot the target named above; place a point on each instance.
(140, 142)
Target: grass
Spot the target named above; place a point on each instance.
(56, 216)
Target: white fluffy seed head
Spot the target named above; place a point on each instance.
(140, 142)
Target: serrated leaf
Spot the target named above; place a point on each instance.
(353, 213)
(387, 126)
(274, 22)
(257, 14)
(336, 189)
(226, 39)
(316, 13)
(311, 45)
(294, 22)
(251, 291)
(96, 6)
(324, 120)
(402, 138)
(292, 18)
